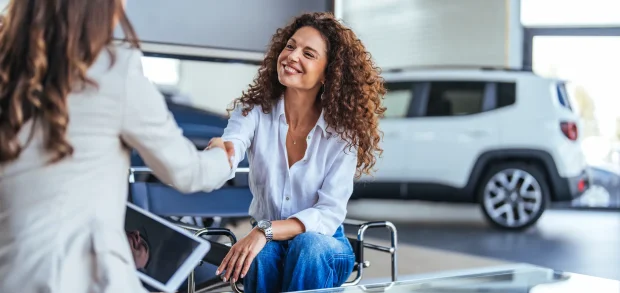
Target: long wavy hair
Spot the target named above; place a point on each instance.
(352, 93)
(46, 48)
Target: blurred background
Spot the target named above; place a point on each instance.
(576, 41)
(551, 66)
(502, 134)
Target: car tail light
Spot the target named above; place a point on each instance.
(581, 186)
(569, 129)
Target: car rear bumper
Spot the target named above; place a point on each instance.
(573, 187)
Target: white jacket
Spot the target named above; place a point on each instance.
(62, 225)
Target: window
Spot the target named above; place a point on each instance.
(199, 83)
(506, 94)
(397, 99)
(562, 13)
(162, 71)
(455, 98)
(563, 96)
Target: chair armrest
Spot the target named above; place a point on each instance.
(217, 252)
(359, 245)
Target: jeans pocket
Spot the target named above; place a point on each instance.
(343, 267)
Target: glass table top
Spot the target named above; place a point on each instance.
(519, 279)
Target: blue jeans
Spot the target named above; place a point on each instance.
(308, 261)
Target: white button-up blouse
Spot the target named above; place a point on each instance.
(314, 190)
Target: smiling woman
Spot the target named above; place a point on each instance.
(309, 123)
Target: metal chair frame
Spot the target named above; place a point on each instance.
(359, 243)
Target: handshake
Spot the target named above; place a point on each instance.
(218, 142)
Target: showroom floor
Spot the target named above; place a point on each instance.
(586, 242)
(412, 259)
(442, 237)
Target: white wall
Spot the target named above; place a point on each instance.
(228, 24)
(407, 33)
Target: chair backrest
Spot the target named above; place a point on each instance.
(164, 200)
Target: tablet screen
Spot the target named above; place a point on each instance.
(158, 250)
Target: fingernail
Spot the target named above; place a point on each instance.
(234, 280)
(217, 272)
(242, 275)
(224, 279)
(232, 158)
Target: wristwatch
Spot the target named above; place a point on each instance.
(265, 227)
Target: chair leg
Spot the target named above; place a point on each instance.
(363, 227)
(191, 283)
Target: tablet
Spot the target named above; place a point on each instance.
(164, 253)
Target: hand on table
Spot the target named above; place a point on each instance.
(225, 145)
(238, 260)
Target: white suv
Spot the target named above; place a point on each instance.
(507, 140)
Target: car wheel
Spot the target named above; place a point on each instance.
(513, 196)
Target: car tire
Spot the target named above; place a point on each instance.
(513, 195)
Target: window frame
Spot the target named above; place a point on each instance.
(489, 100)
(420, 94)
(401, 85)
(531, 32)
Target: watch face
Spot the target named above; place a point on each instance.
(263, 224)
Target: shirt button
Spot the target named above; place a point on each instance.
(287, 198)
(308, 137)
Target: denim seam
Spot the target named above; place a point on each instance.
(331, 272)
(342, 255)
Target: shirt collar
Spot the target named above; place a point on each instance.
(320, 123)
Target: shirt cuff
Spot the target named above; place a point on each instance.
(311, 218)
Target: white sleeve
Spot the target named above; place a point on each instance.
(150, 128)
(240, 132)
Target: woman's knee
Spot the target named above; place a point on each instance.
(317, 261)
(315, 246)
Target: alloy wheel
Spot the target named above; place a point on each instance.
(512, 198)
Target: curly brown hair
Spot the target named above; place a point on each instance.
(46, 48)
(352, 92)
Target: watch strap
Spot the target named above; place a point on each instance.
(268, 234)
(267, 231)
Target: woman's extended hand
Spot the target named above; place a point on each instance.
(225, 145)
(238, 260)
